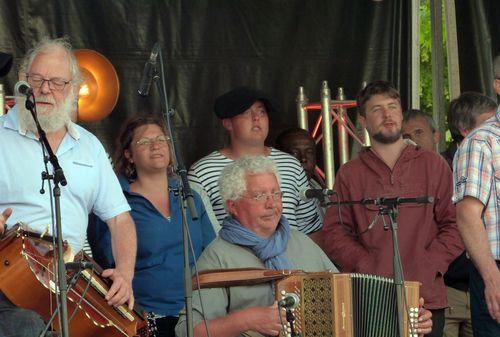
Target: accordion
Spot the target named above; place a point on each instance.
(347, 305)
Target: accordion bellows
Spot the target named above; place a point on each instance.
(347, 305)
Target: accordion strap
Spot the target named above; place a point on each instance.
(218, 278)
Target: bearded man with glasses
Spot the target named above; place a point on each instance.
(52, 71)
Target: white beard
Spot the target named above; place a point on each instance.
(50, 121)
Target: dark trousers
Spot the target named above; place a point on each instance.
(17, 322)
(437, 323)
(166, 326)
(483, 325)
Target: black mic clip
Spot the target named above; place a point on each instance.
(392, 202)
(45, 176)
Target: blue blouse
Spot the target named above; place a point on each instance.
(158, 280)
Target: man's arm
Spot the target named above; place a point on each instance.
(264, 320)
(447, 244)
(124, 242)
(470, 224)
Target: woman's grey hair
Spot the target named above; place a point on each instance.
(232, 183)
(47, 44)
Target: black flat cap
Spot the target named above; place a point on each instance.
(239, 99)
(5, 63)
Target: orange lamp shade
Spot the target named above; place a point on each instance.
(100, 88)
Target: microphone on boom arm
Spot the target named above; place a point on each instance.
(149, 72)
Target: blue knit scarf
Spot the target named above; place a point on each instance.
(270, 251)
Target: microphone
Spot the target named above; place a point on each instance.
(289, 301)
(22, 88)
(80, 265)
(315, 193)
(148, 72)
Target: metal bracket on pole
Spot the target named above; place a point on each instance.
(301, 111)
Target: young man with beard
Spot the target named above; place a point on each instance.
(355, 238)
(52, 71)
(244, 113)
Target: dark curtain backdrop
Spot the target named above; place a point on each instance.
(212, 46)
(478, 29)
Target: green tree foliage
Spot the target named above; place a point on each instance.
(426, 61)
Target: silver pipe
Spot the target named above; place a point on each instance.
(452, 49)
(343, 139)
(302, 115)
(327, 135)
(366, 135)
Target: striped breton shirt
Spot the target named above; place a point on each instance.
(476, 170)
(303, 215)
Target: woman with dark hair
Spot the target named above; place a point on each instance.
(143, 164)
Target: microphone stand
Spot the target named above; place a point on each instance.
(71, 283)
(391, 210)
(389, 207)
(184, 189)
(58, 178)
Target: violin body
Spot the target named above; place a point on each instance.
(27, 280)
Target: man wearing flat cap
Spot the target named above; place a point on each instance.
(244, 114)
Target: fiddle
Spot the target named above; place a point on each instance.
(28, 256)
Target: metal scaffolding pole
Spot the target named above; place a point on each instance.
(452, 48)
(438, 112)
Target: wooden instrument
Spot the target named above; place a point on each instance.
(218, 278)
(347, 305)
(329, 304)
(28, 281)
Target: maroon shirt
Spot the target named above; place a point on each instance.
(428, 236)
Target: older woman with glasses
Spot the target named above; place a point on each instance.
(143, 163)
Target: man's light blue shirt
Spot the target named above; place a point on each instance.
(92, 185)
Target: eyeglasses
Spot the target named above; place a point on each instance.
(264, 197)
(55, 84)
(160, 140)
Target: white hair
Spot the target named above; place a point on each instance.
(232, 183)
(48, 44)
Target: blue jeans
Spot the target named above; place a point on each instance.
(17, 322)
(482, 323)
